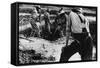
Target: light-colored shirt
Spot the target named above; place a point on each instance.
(76, 24)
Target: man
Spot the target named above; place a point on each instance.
(78, 28)
(34, 23)
(47, 20)
(61, 20)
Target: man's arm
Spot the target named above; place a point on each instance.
(87, 27)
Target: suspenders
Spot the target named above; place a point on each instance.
(82, 21)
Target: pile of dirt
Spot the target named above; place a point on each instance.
(44, 50)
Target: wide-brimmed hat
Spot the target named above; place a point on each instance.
(77, 9)
(61, 11)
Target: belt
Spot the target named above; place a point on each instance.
(81, 33)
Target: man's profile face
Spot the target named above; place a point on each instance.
(80, 10)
